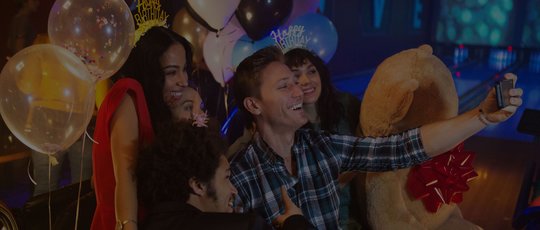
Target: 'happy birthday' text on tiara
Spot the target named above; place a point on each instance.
(149, 14)
(290, 38)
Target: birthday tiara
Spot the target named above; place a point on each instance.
(289, 38)
(149, 14)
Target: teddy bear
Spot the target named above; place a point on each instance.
(410, 89)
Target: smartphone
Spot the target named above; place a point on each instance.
(501, 89)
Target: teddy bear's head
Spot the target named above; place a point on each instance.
(408, 89)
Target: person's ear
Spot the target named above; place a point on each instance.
(252, 105)
(197, 187)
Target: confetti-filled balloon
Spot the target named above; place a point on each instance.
(99, 32)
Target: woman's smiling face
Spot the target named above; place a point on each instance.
(173, 65)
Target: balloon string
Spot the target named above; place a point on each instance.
(49, 202)
(80, 177)
(228, 21)
(89, 137)
(28, 172)
(7, 217)
(225, 93)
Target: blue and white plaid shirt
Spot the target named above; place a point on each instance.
(258, 172)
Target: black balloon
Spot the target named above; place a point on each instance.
(259, 17)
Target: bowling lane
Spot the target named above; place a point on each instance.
(530, 83)
(355, 83)
(478, 80)
(473, 79)
(469, 77)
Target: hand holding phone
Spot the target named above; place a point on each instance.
(502, 89)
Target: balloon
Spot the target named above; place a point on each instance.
(301, 7)
(102, 87)
(217, 51)
(190, 29)
(41, 38)
(46, 97)
(245, 47)
(259, 17)
(99, 32)
(214, 14)
(321, 33)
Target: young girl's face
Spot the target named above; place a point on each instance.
(189, 105)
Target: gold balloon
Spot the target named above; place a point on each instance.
(47, 97)
(25, 84)
(194, 32)
(102, 87)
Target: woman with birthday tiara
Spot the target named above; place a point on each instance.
(327, 109)
(146, 87)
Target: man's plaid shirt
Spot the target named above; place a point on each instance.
(258, 172)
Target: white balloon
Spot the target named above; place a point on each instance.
(217, 52)
(215, 12)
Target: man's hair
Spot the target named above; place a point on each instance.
(247, 79)
(328, 106)
(143, 65)
(180, 151)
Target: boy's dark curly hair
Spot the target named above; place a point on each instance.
(179, 152)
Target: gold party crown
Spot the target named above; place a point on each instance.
(149, 14)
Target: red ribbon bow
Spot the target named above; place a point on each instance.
(443, 179)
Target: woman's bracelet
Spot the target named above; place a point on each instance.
(120, 224)
(483, 119)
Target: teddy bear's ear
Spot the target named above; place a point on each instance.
(404, 98)
(427, 48)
